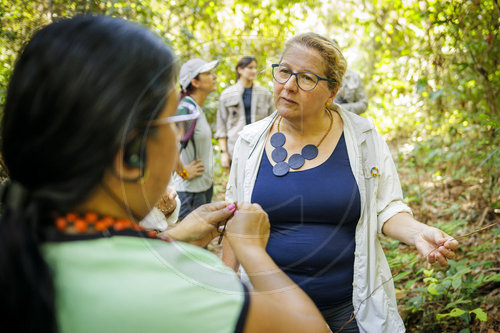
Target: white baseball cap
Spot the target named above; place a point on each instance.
(193, 67)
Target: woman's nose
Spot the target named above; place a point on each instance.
(291, 84)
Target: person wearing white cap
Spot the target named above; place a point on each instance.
(193, 179)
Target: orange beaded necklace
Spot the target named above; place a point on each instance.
(93, 223)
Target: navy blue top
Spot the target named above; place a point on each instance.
(247, 102)
(313, 215)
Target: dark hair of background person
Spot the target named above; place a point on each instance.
(81, 89)
(243, 63)
(189, 89)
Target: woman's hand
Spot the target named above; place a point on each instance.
(167, 202)
(200, 226)
(225, 160)
(430, 242)
(194, 169)
(436, 245)
(249, 228)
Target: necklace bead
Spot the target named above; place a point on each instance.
(94, 224)
(296, 161)
(310, 152)
(278, 139)
(279, 154)
(281, 169)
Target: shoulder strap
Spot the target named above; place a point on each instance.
(189, 106)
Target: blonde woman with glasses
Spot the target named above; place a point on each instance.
(327, 181)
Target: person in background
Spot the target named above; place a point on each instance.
(193, 179)
(89, 136)
(328, 183)
(351, 95)
(239, 105)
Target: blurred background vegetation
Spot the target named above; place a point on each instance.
(432, 75)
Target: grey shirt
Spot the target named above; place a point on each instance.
(231, 112)
(204, 151)
(351, 96)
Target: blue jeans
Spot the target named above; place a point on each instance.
(190, 201)
(337, 316)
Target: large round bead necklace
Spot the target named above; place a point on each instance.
(296, 161)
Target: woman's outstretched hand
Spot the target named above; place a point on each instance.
(432, 243)
(436, 245)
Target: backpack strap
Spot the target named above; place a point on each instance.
(188, 106)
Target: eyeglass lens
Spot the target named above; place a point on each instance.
(305, 80)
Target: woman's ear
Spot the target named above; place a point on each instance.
(195, 83)
(334, 93)
(125, 166)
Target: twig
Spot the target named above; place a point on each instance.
(483, 216)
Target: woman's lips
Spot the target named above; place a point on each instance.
(288, 101)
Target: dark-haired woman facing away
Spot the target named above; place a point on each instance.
(89, 140)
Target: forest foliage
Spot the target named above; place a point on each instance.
(432, 75)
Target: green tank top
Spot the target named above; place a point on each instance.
(132, 284)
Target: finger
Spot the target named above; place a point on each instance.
(213, 206)
(172, 195)
(441, 259)
(257, 206)
(220, 215)
(447, 253)
(451, 244)
(249, 206)
(431, 258)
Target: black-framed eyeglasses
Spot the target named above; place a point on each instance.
(305, 80)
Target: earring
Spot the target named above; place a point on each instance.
(142, 179)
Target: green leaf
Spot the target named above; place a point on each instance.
(421, 85)
(428, 272)
(439, 316)
(480, 314)
(457, 312)
(457, 282)
(430, 279)
(401, 275)
(432, 289)
(492, 277)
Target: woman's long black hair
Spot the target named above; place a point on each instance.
(79, 88)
